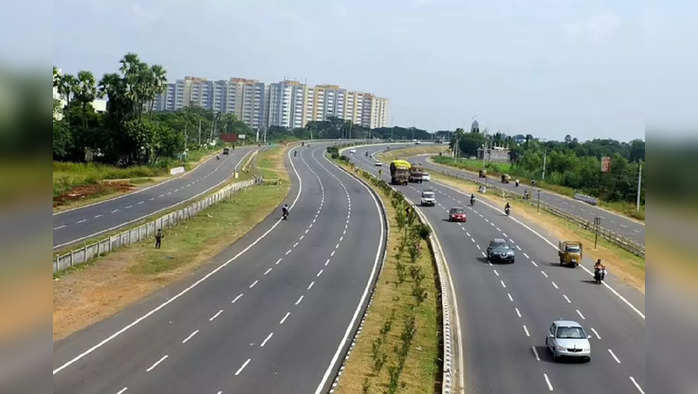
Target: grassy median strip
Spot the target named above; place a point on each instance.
(97, 291)
(393, 154)
(398, 349)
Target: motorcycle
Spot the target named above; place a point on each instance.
(507, 210)
(472, 201)
(295, 153)
(218, 157)
(599, 275)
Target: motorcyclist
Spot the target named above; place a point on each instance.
(284, 211)
(472, 199)
(218, 157)
(507, 208)
(599, 271)
(526, 196)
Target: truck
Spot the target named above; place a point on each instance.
(399, 172)
(417, 174)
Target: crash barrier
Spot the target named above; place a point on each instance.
(587, 199)
(146, 230)
(611, 236)
(449, 323)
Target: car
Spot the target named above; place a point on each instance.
(426, 177)
(428, 198)
(226, 150)
(498, 251)
(457, 215)
(567, 338)
(379, 164)
(352, 151)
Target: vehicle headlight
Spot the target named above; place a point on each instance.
(510, 253)
(560, 348)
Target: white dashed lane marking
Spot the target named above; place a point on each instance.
(152, 367)
(123, 390)
(284, 318)
(242, 367)
(254, 283)
(299, 300)
(264, 342)
(212, 318)
(185, 340)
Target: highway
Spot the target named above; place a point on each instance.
(630, 229)
(82, 223)
(505, 310)
(272, 313)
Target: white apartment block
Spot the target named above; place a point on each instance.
(288, 104)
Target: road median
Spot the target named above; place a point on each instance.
(399, 346)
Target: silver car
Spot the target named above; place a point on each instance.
(567, 338)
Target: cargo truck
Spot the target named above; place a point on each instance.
(399, 172)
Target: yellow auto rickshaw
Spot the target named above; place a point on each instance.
(506, 178)
(570, 253)
(482, 174)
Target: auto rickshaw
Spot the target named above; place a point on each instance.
(482, 173)
(505, 178)
(570, 253)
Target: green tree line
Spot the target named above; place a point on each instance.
(129, 132)
(568, 163)
(334, 128)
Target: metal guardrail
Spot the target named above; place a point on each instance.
(607, 234)
(146, 230)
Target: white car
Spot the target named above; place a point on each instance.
(428, 198)
(567, 338)
(426, 177)
(352, 151)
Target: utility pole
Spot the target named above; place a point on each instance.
(597, 223)
(539, 200)
(639, 183)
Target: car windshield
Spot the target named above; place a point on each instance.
(497, 244)
(573, 248)
(456, 211)
(570, 333)
(428, 194)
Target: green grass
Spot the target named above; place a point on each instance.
(394, 305)
(473, 164)
(67, 176)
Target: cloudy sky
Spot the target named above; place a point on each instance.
(589, 68)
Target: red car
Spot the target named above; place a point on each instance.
(457, 215)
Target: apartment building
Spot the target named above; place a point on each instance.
(287, 103)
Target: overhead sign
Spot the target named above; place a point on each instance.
(605, 164)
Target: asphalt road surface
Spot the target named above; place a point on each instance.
(273, 313)
(628, 228)
(506, 310)
(78, 224)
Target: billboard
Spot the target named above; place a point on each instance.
(605, 164)
(242, 136)
(229, 137)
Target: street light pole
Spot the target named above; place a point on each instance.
(639, 183)
(545, 153)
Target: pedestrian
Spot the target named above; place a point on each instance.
(158, 238)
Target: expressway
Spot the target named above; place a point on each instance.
(505, 310)
(274, 312)
(630, 229)
(82, 223)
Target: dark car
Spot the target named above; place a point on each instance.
(457, 215)
(498, 251)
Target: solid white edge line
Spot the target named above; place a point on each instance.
(342, 343)
(163, 358)
(186, 290)
(242, 366)
(642, 315)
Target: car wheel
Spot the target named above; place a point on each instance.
(587, 359)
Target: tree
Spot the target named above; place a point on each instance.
(84, 93)
(469, 143)
(637, 150)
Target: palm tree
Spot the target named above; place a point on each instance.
(85, 91)
(159, 81)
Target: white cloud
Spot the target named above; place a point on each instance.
(596, 28)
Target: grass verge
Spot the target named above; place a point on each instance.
(624, 264)
(393, 154)
(97, 290)
(399, 346)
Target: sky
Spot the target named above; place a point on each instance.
(589, 68)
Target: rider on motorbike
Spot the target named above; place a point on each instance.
(507, 208)
(472, 199)
(284, 211)
(599, 271)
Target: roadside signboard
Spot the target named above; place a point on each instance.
(605, 164)
(242, 136)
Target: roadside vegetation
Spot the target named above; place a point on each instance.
(129, 139)
(96, 290)
(398, 349)
(570, 166)
(393, 154)
(623, 264)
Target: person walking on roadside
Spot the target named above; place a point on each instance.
(158, 238)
